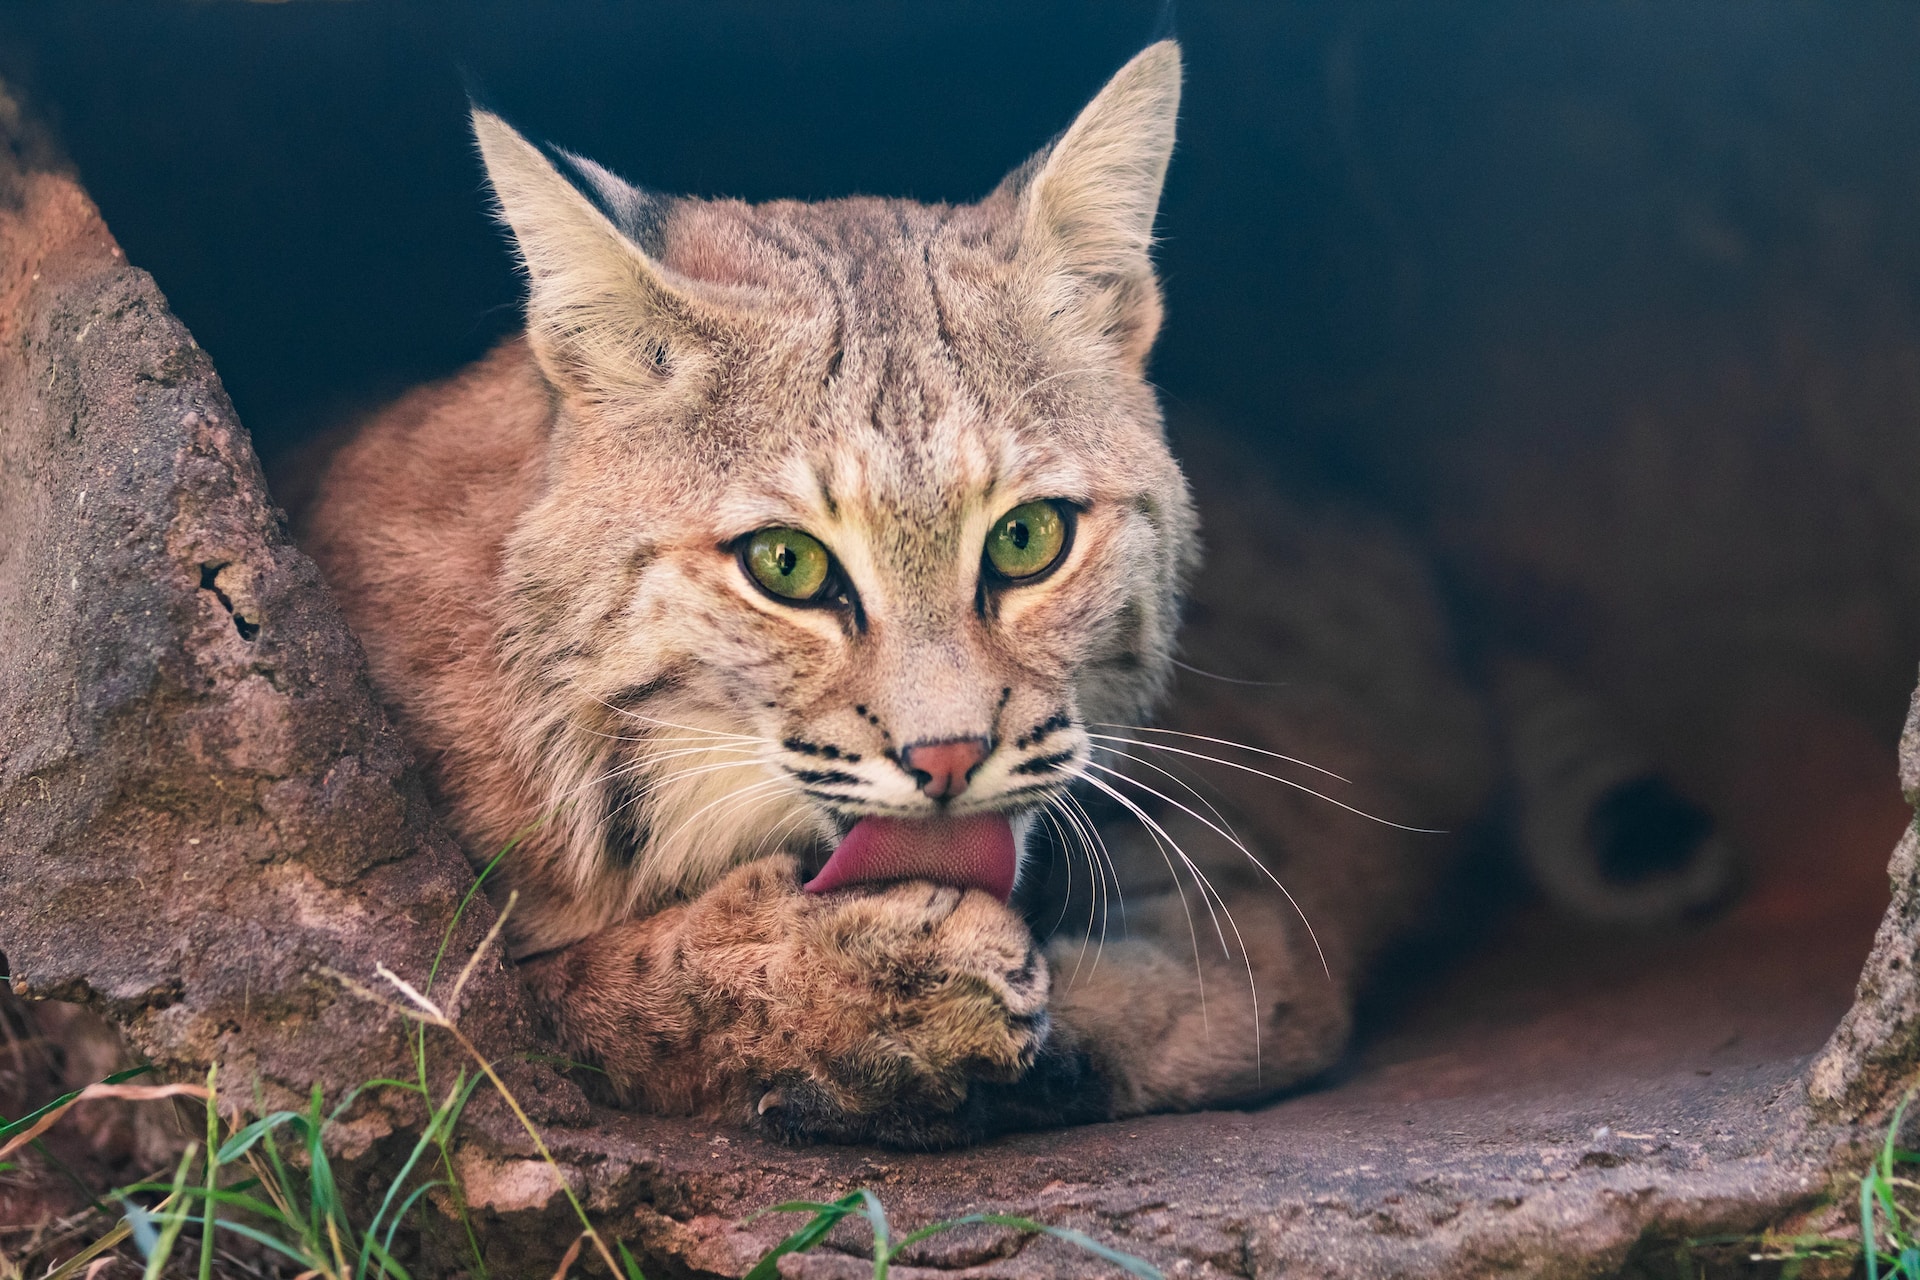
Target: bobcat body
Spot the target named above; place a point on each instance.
(551, 560)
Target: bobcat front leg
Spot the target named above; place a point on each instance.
(870, 1016)
(1161, 1031)
(1185, 1002)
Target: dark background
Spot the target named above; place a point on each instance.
(1370, 199)
(1615, 305)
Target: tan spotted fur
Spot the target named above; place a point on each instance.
(536, 553)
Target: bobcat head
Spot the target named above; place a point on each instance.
(856, 514)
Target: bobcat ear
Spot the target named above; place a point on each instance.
(608, 324)
(1087, 203)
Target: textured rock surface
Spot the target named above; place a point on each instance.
(200, 803)
(1875, 1051)
(201, 808)
(1541, 1115)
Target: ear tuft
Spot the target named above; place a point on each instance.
(640, 214)
(1088, 203)
(600, 313)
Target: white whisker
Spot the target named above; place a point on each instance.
(1168, 773)
(1285, 782)
(784, 829)
(649, 739)
(1220, 742)
(1066, 899)
(1235, 842)
(1046, 812)
(619, 770)
(1206, 887)
(757, 790)
(1098, 901)
(1214, 675)
(1192, 866)
(682, 776)
(684, 728)
(642, 764)
(1154, 832)
(1092, 828)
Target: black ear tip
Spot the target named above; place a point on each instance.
(478, 96)
(1165, 26)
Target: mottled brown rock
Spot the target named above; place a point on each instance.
(201, 805)
(1874, 1055)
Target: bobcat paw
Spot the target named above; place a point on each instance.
(892, 1009)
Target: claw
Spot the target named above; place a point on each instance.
(769, 1100)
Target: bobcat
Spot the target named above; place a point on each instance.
(791, 599)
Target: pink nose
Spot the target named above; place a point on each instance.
(944, 767)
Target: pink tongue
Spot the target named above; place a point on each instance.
(968, 853)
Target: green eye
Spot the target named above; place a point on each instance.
(1028, 540)
(787, 563)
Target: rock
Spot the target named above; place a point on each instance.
(203, 807)
(1872, 1058)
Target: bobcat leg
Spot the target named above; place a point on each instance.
(852, 1016)
(1164, 1031)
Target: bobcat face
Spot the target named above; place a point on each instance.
(856, 513)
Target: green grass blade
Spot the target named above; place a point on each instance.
(307, 1261)
(271, 1145)
(11, 1127)
(146, 1237)
(882, 1234)
(915, 1237)
(627, 1263)
(388, 1082)
(1125, 1261)
(242, 1141)
(319, 1172)
(340, 1109)
(225, 1195)
(401, 1216)
(1867, 1243)
(466, 900)
(446, 940)
(213, 1171)
(1883, 1192)
(563, 1062)
(388, 1265)
(825, 1218)
(322, 1193)
(458, 1196)
(843, 1206)
(439, 1122)
(175, 1221)
(1893, 1135)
